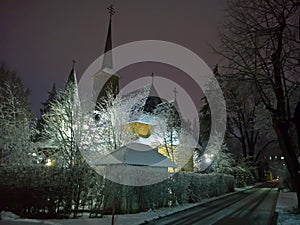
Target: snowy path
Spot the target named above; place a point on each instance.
(287, 201)
(138, 218)
(252, 207)
(127, 219)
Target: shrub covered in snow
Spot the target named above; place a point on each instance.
(6, 215)
(224, 163)
(40, 191)
(193, 187)
(183, 187)
(44, 192)
(243, 176)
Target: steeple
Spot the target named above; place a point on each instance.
(175, 104)
(72, 76)
(106, 80)
(71, 87)
(153, 91)
(153, 99)
(107, 60)
(175, 94)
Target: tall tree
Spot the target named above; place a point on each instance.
(169, 127)
(62, 127)
(52, 96)
(16, 120)
(261, 44)
(247, 122)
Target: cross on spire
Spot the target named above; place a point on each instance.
(111, 10)
(107, 60)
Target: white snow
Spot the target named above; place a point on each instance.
(126, 219)
(287, 209)
(6, 215)
(138, 218)
(11, 218)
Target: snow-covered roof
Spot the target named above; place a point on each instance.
(145, 118)
(110, 71)
(136, 154)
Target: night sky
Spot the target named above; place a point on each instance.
(40, 38)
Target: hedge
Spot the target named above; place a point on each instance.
(52, 192)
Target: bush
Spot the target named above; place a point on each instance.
(193, 187)
(53, 192)
(38, 191)
(243, 176)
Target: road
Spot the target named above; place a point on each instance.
(254, 206)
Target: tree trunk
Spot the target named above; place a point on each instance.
(289, 153)
(113, 213)
(244, 148)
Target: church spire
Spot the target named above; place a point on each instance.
(72, 79)
(153, 99)
(175, 94)
(71, 88)
(107, 59)
(175, 101)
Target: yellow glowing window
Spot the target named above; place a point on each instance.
(141, 129)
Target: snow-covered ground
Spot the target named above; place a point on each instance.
(127, 219)
(138, 218)
(9, 218)
(286, 207)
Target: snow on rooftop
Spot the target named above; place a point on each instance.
(145, 118)
(136, 154)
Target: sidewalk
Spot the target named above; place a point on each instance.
(286, 205)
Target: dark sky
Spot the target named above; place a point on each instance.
(40, 38)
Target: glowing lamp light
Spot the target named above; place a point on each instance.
(208, 160)
(49, 162)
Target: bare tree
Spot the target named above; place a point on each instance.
(261, 45)
(106, 130)
(168, 127)
(174, 135)
(113, 118)
(247, 120)
(62, 126)
(61, 129)
(16, 121)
